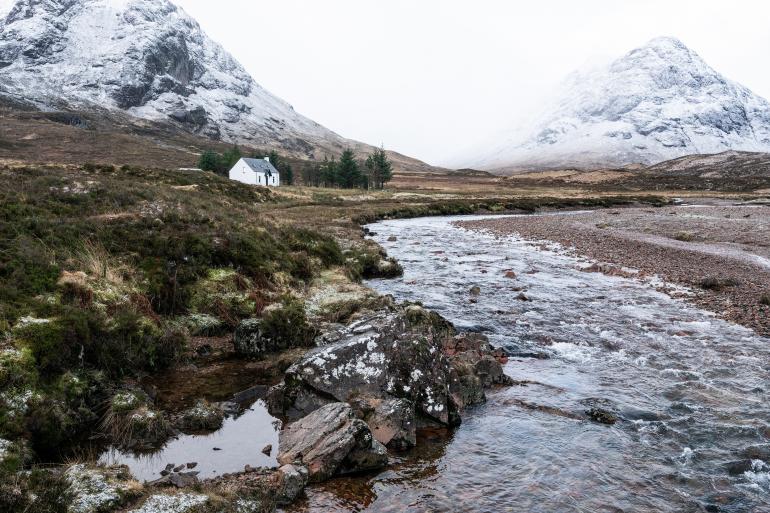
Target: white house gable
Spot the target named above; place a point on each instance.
(256, 172)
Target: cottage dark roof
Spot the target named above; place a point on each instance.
(260, 166)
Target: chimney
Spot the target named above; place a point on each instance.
(267, 159)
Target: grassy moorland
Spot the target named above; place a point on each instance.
(111, 274)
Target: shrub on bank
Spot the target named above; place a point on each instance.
(286, 324)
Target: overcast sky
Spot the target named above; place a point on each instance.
(428, 77)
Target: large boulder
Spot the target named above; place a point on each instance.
(331, 441)
(393, 424)
(390, 355)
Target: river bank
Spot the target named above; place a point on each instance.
(123, 295)
(720, 252)
(688, 390)
(149, 310)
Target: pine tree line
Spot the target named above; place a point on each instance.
(349, 173)
(345, 173)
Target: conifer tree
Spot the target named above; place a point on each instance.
(209, 161)
(379, 168)
(348, 171)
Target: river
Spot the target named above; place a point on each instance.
(692, 391)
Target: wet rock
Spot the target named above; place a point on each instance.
(602, 416)
(293, 479)
(738, 467)
(510, 275)
(387, 355)
(757, 452)
(475, 365)
(475, 290)
(204, 350)
(331, 441)
(201, 417)
(97, 489)
(183, 479)
(392, 238)
(393, 424)
(192, 464)
(266, 450)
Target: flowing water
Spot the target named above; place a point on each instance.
(692, 391)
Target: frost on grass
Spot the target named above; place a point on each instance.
(181, 503)
(96, 490)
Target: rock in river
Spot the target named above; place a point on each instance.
(331, 441)
(397, 367)
(389, 355)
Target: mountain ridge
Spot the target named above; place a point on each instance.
(151, 60)
(659, 101)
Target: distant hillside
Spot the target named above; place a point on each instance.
(75, 137)
(738, 171)
(660, 101)
(147, 65)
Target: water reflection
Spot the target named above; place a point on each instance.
(238, 443)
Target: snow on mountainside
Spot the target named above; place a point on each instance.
(658, 102)
(147, 58)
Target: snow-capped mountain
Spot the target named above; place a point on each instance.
(658, 102)
(149, 59)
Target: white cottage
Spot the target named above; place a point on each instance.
(256, 172)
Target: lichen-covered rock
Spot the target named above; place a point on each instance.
(393, 424)
(331, 441)
(293, 479)
(392, 354)
(204, 416)
(99, 489)
(249, 339)
(475, 365)
(179, 503)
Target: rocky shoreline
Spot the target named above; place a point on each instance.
(363, 390)
(719, 252)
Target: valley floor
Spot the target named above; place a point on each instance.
(123, 292)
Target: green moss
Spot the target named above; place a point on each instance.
(419, 317)
(287, 324)
(17, 369)
(224, 294)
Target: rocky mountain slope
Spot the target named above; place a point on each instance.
(658, 102)
(150, 60)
